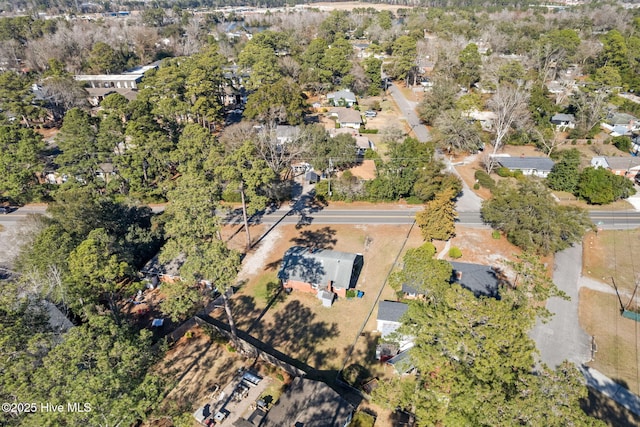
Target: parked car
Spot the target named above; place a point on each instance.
(370, 113)
(4, 210)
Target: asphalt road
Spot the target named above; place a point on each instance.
(407, 108)
(401, 215)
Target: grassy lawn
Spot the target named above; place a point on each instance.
(611, 253)
(616, 338)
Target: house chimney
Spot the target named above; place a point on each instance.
(330, 286)
(458, 275)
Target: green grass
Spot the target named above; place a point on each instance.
(266, 287)
(272, 393)
(362, 419)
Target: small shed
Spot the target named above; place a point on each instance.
(326, 297)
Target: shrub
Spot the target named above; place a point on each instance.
(484, 179)
(622, 143)
(231, 348)
(504, 172)
(519, 175)
(455, 252)
(414, 200)
(375, 106)
(280, 377)
(351, 293)
(495, 234)
(476, 186)
(574, 142)
(231, 196)
(363, 130)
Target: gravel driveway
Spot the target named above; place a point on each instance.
(563, 337)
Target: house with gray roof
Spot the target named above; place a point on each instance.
(286, 133)
(621, 124)
(347, 117)
(480, 279)
(313, 270)
(309, 403)
(627, 166)
(342, 98)
(402, 362)
(389, 314)
(530, 166)
(563, 121)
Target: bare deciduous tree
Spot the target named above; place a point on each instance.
(509, 104)
(590, 108)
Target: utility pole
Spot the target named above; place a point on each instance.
(329, 175)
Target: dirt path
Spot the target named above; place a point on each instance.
(596, 285)
(254, 262)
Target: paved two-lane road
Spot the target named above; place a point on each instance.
(393, 215)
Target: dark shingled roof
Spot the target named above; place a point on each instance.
(309, 403)
(538, 163)
(391, 311)
(479, 279)
(319, 266)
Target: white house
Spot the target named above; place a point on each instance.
(347, 117)
(623, 166)
(342, 98)
(530, 166)
(564, 121)
(389, 314)
(619, 124)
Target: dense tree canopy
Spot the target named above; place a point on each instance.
(600, 186)
(472, 357)
(530, 218)
(21, 158)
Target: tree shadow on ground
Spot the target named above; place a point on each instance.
(323, 238)
(244, 311)
(365, 352)
(599, 406)
(294, 329)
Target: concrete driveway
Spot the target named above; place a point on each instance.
(563, 337)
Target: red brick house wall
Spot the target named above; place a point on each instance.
(300, 286)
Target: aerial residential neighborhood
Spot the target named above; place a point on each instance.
(345, 214)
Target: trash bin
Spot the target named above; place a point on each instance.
(360, 294)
